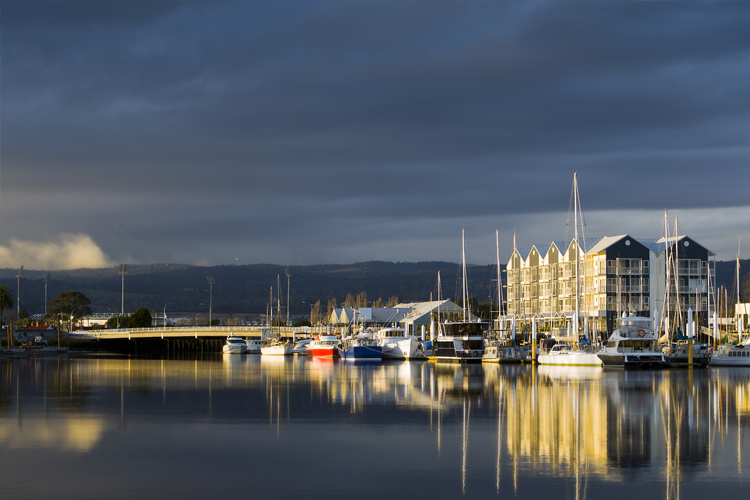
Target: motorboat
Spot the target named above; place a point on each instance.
(253, 345)
(677, 354)
(396, 344)
(277, 348)
(497, 350)
(325, 346)
(460, 341)
(301, 347)
(633, 344)
(731, 355)
(362, 348)
(565, 354)
(234, 345)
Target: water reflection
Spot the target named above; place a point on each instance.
(435, 429)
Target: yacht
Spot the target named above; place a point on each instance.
(677, 354)
(253, 345)
(499, 350)
(234, 345)
(731, 355)
(565, 354)
(633, 344)
(362, 348)
(396, 344)
(460, 341)
(301, 346)
(325, 346)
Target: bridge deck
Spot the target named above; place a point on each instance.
(193, 332)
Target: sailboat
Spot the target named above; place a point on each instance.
(497, 347)
(732, 354)
(565, 353)
(461, 340)
(274, 345)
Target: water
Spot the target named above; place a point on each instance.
(254, 427)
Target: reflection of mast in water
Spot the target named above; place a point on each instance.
(499, 441)
(465, 448)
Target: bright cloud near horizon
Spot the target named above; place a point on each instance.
(337, 132)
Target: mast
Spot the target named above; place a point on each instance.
(463, 265)
(676, 260)
(278, 302)
(499, 279)
(578, 252)
(668, 275)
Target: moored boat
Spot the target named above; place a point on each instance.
(678, 354)
(564, 354)
(301, 347)
(396, 344)
(253, 345)
(277, 348)
(362, 348)
(731, 355)
(325, 346)
(234, 345)
(633, 344)
(460, 341)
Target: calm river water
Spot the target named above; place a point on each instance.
(253, 427)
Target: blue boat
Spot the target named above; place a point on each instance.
(362, 348)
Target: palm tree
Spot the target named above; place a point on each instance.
(7, 299)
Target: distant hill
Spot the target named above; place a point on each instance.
(245, 289)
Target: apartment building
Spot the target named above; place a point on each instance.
(603, 279)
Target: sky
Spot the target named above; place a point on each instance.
(311, 132)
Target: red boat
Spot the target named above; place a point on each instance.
(324, 347)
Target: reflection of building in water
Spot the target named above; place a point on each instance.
(558, 423)
(629, 422)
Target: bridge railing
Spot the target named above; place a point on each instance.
(284, 331)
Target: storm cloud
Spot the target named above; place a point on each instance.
(317, 132)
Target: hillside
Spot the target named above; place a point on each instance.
(245, 289)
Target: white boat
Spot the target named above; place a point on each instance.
(499, 352)
(677, 354)
(325, 346)
(301, 346)
(396, 344)
(253, 345)
(731, 355)
(234, 345)
(564, 354)
(461, 340)
(633, 344)
(277, 348)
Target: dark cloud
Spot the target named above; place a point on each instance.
(240, 125)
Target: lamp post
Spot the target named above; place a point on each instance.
(286, 270)
(18, 293)
(211, 281)
(46, 280)
(165, 314)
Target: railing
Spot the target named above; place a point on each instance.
(284, 330)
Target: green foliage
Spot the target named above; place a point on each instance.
(215, 322)
(7, 299)
(70, 303)
(140, 319)
(23, 313)
(302, 322)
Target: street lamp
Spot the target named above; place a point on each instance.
(46, 280)
(123, 272)
(165, 314)
(18, 294)
(211, 281)
(286, 270)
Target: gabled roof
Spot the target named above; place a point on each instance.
(542, 249)
(605, 243)
(658, 246)
(524, 252)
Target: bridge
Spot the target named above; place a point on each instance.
(182, 338)
(196, 332)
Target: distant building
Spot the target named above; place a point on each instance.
(410, 316)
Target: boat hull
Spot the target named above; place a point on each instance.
(638, 361)
(323, 352)
(400, 349)
(233, 349)
(277, 350)
(500, 354)
(570, 359)
(363, 353)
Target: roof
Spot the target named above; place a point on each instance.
(604, 243)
